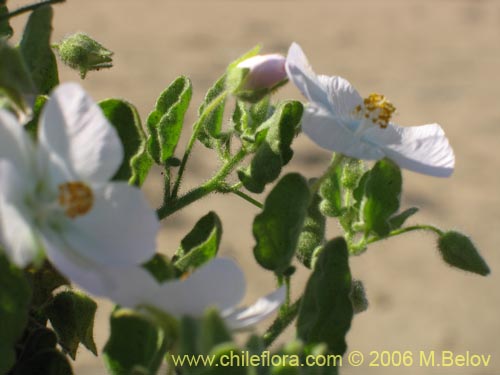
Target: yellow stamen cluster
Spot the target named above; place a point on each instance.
(377, 108)
(76, 198)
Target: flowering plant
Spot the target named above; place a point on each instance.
(74, 220)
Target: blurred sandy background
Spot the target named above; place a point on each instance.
(437, 61)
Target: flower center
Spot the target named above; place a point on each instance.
(76, 198)
(377, 109)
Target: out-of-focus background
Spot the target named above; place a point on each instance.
(437, 61)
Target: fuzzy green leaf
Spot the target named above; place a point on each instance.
(5, 28)
(165, 122)
(200, 244)
(326, 311)
(275, 150)
(398, 220)
(331, 192)
(15, 78)
(134, 342)
(277, 228)
(381, 196)
(37, 52)
(15, 296)
(211, 121)
(72, 315)
(458, 251)
(125, 118)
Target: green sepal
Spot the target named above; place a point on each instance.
(381, 196)
(134, 341)
(37, 52)
(125, 118)
(326, 311)
(15, 79)
(277, 228)
(398, 220)
(6, 30)
(235, 76)
(44, 280)
(15, 297)
(458, 251)
(72, 314)
(213, 331)
(275, 150)
(165, 122)
(160, 267)
(211, 115)
(313, 232)
(32, 126)
(200, 244)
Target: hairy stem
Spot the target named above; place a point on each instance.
(206, 188)
(281, 322)
(397, 232)
(194, 136)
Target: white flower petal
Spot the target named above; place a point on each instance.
(15, 144)
(16, 225)
(219, 284)
(265, 306)
(328, 132)
(120, 229)
(116, 283)
(342, 96)
(302, 75)
(74, 130)
(423, 149)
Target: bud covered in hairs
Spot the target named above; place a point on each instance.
(82, 53)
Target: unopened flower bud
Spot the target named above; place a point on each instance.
(258, 76)
(265, 71)
(358, 296)
(81, 52)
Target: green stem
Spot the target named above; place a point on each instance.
(397, 232)
(281, 322)
(28, 8)
(248, 198)
(206, 188)
(337, 159)
(194, 136)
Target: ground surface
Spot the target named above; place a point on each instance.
(438, 61)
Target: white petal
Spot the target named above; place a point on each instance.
(15, 144)
(342, 96)
(330, 133)
(265, 306)
(16, 226)
(423, 149)
(219, 284)
(123, 285)
(73, 130)
(302, 75)
(120, 229)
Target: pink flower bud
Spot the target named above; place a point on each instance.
(266, 71)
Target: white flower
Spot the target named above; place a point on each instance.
(265, 71)
(339, 119)
(220, 283)
(56, 196)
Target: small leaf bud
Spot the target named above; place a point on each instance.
(82, 53)
(458, 251)
(358, 296)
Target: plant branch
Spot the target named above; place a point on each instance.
(28, 8)
(281, 322)
(397, 232)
